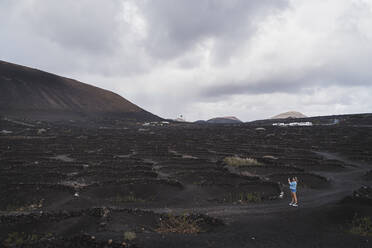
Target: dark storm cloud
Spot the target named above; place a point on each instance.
(176, 26)
(95, 36)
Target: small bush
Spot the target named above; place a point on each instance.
(243, 197)
(35, 205)
(361, 226)
(20, 239)
(127, 199)
(179, 224)
(250, 197)
(237, 161)
(129, 236)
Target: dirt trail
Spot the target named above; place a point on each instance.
(342, 184)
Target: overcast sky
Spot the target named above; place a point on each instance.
(203, 58)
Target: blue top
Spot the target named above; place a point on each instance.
(293, 185)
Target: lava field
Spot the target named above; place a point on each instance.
(65, 185)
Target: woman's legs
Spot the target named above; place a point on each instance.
(294, 197)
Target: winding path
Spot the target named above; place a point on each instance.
(342, 184)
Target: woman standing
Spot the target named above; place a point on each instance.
(293, 188)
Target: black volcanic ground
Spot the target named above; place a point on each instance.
(137, 179)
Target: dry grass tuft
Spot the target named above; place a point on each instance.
(130, 236)
(361, 226)
(238, 161)
(243, 197)
(184, 224)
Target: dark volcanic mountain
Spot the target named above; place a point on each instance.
(34, 94)
(224, 120)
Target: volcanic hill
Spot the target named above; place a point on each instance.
(224, 120)
(290, 114)
(220, 120)
(34, 94)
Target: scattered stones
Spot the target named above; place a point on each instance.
(143, 130)
(270, 157)
(185, 156)
(260, 129)
(41, 131)
(63, 158)
(363, 194)
(106, 212)
(6, 132)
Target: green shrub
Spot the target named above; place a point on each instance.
(31, 206)
(250, 197)
(361, 226)
(179, 224)
(20, 239)
(238, 161)
(129, 236)
(243, 197)
(131, 198)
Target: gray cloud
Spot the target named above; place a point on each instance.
(86, 25)
(177, 26)
(71, 37)
(294, 81)
(97, 34)
(202, 58)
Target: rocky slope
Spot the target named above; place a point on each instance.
(34, 94)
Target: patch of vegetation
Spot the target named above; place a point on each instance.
(236, 161)
(199, 183)
(183, 224)
(130, 236)
(35, 205)
(131, 198)
(361, 226)
(17, 239)
(243, 197)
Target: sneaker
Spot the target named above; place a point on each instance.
(295, 205)
(290, 204)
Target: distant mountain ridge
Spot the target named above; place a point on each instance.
(289, 114)
(35, 94)
(221, 120)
